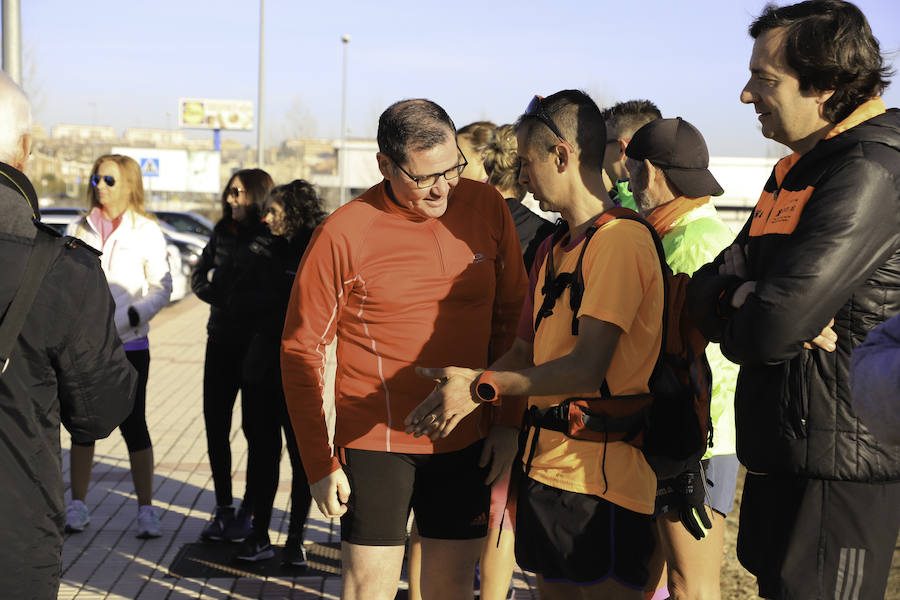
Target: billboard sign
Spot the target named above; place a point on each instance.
(206, 113)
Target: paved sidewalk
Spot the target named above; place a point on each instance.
(107, 561)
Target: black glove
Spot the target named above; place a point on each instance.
(133, 317)
(691, 493)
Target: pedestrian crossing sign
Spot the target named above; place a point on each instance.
(150, 167)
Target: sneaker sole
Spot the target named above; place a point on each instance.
(70, 529)
(256, 557)
(148, 535)
(294, 564)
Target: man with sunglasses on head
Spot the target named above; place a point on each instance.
(583, 516)
(423, 268)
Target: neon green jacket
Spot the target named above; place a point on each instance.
(623, 195)
(696, 239)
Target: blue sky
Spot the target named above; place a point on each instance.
(125, 64)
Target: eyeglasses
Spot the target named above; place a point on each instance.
(536, 109)
(234, 192)
(109, 180)
(426, 181)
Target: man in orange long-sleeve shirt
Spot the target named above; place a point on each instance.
(422, 269)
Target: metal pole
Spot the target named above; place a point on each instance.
(342, 152)
(12, 40)
(259, 101)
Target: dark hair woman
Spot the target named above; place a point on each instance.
(292, 213)
(227, 277)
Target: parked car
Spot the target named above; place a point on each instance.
(59, 218)
(186, 222)
(191, 246)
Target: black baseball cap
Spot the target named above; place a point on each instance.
(678, 148)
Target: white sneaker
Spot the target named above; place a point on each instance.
(148, 522)
(77, 516)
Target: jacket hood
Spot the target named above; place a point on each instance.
(18, 203)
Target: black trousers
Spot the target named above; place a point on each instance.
(224, 374)
(812, 538)
(263, 426)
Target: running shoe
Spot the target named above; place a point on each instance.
(255, 547)
(294, 554)
(221, 519)
(77, 516)
(239, 527)
(148, 522)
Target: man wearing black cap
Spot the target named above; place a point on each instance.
(668, 161)
(820, 509)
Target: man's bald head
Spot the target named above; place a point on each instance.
(15, 123)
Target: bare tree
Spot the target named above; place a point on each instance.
(299, 121)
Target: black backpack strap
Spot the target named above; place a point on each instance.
(553, 285)
(664, 267)
(42, 253)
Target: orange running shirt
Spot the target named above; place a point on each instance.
(622, 285)
(399, 291)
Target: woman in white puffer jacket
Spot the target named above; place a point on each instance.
(136, 265)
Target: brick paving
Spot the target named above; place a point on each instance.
(107, 561)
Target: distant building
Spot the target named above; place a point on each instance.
(157, 138)
(84, 133)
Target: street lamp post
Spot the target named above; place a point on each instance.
(12, 40)
(259, 101)
(342, 152)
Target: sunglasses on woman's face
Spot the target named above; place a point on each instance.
(234, 192)
(109, 180)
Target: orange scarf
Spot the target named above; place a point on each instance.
(663, 217)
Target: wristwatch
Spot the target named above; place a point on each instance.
(485, 388)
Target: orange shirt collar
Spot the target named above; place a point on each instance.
(663, 218)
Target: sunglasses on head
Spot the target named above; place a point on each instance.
(536, 109)
(234, 192)
(109, 180)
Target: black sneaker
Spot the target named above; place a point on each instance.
(215, 529)
(255, 547)
(294, 554)
(240, 527)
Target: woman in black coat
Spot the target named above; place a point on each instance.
(293, 211)
(228, 278)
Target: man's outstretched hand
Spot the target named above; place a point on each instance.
(447, 405)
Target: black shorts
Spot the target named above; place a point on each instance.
(810, 538)
(446, 491)
(579, 538)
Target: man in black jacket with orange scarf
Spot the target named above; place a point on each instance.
(813, 270)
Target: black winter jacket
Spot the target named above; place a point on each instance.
(67, 366)
(823, 242)
(232, 276)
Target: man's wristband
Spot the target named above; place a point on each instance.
(485, 387)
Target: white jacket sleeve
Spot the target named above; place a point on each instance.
(156, 275)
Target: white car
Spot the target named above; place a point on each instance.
(59, 218)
